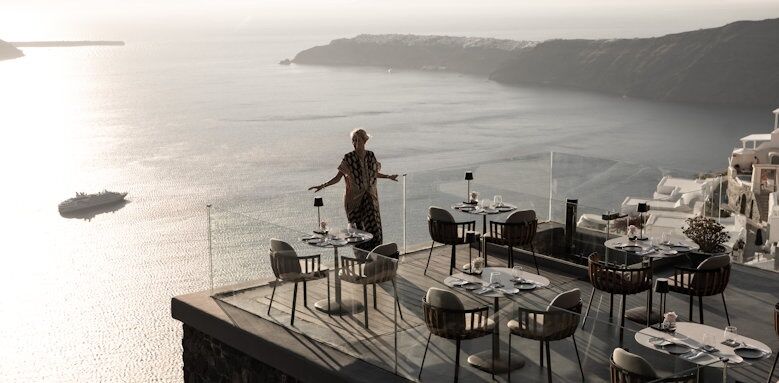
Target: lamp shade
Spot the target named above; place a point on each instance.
(318, 201)
(661, 286)
(468, 176)
(642, 207)
(759, 238)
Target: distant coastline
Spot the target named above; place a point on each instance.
(47, 44)
(8, 51)
(730, 65)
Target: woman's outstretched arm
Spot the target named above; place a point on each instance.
(393, 177)
(332, 181)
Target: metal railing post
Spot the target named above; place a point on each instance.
(405, 250)
(210, 254)
(551, 182)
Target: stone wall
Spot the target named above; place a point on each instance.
(207, 359)
(741, 200)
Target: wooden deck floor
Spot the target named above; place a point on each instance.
(751, 295)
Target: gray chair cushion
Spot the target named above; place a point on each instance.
(521, 216)
(438, 214)
(715, 262)
(633, 363)
(566, 300)
(284, 260)
(379, 268)
(444, 299)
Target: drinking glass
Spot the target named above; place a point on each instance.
(730, 334)
(665, 238)
(708, 339)
(494, 279)
(498, 200)
(350, 228)
(323, 226)
(517, 272)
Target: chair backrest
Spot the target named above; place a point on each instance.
(712, 275)
(442, 226)
(388, 250)
(566, 300)
(627, 367)
(440, 322)
(439, 214)
(776, 319)
(521, 216)
(617, 279)
(380, 268)
(283, 259)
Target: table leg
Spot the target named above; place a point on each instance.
(339, 306)
(483, 239)
(493, 361)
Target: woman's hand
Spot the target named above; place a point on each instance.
(316, 188)
(393, 177)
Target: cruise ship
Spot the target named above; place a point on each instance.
(84, 201)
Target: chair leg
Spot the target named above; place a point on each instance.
(581, 370)
(294, 302)
(511, 256)
(457, 362)
(375, 304)
(535, 260)
(509, 357)
(587, 313)
(305, 294)
(428, 257)
(365, 303)
(453, 261)
(272, 294)
(542, 353)
(611, 307)
(548, 363)
(771, 374)
(427, 345)
(622, 321)
(700, 308)
(397, 300)
(691, 302)
(726, 308)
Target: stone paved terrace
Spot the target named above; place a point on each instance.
(322, 348)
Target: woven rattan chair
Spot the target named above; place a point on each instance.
(445, 317)
(709, 278)
(558, 321)
(518, 230)
(379, 266)
(285, 264)
(444, 229)
(617, 280)
(631, 368)
(776, 330)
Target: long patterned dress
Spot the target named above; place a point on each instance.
(362, 198)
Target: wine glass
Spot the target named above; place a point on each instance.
(708, 340)
(730, 334)
(350, 228)
(498, 200)
(517, 273)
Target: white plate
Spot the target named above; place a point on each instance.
(525, 286)
(509, 290)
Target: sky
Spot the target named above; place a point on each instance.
(517, 19)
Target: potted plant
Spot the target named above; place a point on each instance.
(709, 235)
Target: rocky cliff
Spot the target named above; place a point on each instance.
(8, 51)
(734, 64)
(458, 54)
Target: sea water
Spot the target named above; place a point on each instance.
(183, 124)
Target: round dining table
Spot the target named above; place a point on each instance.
(692, 336)
(479, 285)
(676, 246)
(474, 209)
(338, 305)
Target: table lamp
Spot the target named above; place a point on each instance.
(468, 177)
(661, 287)
(642, 208)
(318, 202)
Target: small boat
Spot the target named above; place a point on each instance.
(84, 201)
